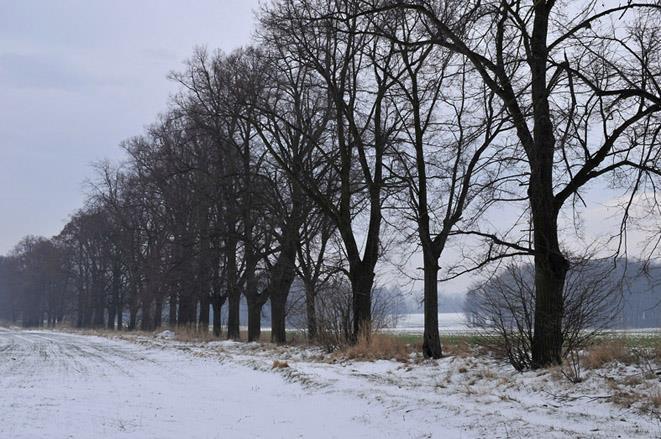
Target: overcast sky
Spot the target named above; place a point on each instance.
(79, 76)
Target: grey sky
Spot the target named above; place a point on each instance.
(79, 76)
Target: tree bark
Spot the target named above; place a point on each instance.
(550, 265)
(186, 314)
(278, 319)
(431, 343)
(172, 317)
(217, 305)
(147, 322)
(254, 320)
(550, 272)
(112, 309)
(233, 293)
(311, 310)
(362, 281)
(120, 312)
(133, 317)
(158, 313)
(204, 314)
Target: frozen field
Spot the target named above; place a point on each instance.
(60, 385)
(448, 322)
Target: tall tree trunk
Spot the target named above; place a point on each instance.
(550, 272)
(283, 274)
(147, 322)
(112, 309)
(133, 317)
(120, 313)
(550, 265)
(158, 313)
(278, 319)
(233, 294)
(186, 314)
(116, 287)
(362, 281)
(79, 312)
(254, 319)
(172, 314)
(217, 305)
(311, 310)
(431, 342)
(204, 313)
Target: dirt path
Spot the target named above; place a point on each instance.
(61, 385)
(57, 385)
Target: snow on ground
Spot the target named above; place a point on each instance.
(448, 322)
(61, 385)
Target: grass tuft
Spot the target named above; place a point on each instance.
(379, 346)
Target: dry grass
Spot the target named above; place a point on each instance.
(458, 347)
(607, 351)
(103, 332)
(379, 346)
(655, 399)
(625, 398)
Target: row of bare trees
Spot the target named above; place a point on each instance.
(353, 124)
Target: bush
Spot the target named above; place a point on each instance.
(335, 316)
(504, 308)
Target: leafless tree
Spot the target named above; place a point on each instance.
(574, 87)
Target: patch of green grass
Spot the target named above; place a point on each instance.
(651, 340)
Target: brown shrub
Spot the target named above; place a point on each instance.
(625, 398)
(190, 334)
(655, 399)
(607, 351)
(379, 346)
(457, 348)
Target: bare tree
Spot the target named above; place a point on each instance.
(544, 64)
(349, 64)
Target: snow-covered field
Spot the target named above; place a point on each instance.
(448, 323)
(61, 385)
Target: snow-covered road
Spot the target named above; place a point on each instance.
(61, 385)
(57, 385)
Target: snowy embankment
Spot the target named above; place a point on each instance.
(66, 385)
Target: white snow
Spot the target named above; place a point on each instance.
(60, 385)
(448, 322)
